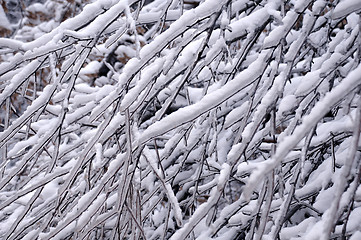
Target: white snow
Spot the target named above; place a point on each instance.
(212, 99)
(320, 109)
(287, 103)
(4, 22)
(346, 7)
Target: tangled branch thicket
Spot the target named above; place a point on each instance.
(172, 119)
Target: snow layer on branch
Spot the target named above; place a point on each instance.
(351, 82)
(247, 24)
(203, 210)
(208, 102)
(345, 7)
(227, 90)
(150, 50)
